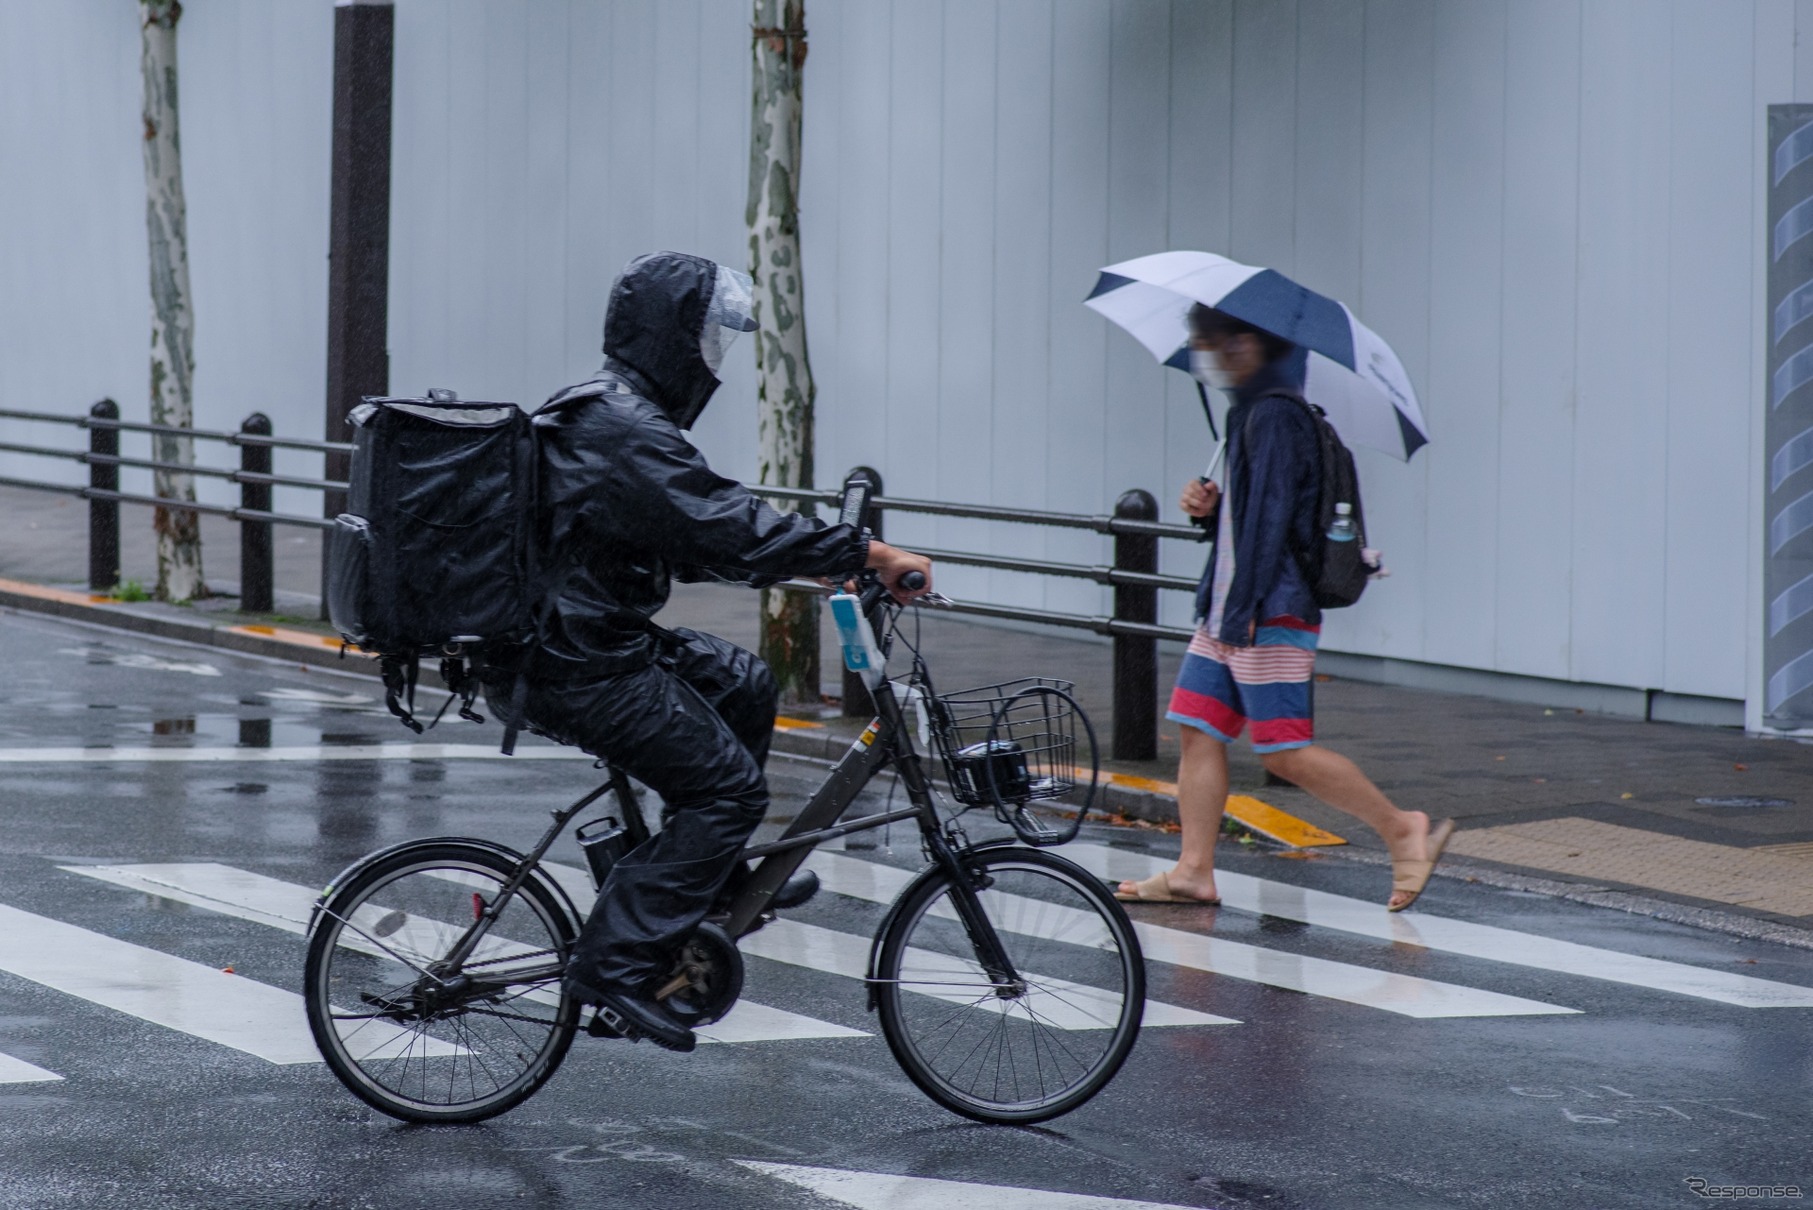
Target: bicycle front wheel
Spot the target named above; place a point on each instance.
(1012, 1051)
(415, 1035)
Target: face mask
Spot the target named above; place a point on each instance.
(1205, 368)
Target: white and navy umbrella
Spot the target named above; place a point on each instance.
(1352, 374)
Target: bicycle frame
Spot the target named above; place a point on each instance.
(886, 739)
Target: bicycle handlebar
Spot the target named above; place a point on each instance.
(875, 591)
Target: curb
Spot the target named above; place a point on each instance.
(271, 642)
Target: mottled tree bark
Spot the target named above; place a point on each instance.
(789, 619)
(179, 576)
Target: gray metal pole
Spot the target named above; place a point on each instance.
(358, 277)
(104, 515)
(257, 564)
(1135, 659)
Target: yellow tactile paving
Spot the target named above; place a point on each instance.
(1765, 878)
(1267, 820)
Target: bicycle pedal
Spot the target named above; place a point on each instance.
(607, 1024)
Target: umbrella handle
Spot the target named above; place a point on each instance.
(1208, 413)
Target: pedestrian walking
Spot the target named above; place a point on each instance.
(1252, 660)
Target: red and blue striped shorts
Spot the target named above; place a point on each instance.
(1220, 688)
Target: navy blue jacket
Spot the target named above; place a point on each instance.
(1272, 480)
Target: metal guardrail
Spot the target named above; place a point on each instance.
(1133, 575)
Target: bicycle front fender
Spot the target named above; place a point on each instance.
(887, 926)
(344, 877)
(894, 909)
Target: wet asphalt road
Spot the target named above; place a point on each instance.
(1310, 1102)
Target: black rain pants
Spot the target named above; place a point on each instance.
(694, 727)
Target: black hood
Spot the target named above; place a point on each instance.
(652, 325)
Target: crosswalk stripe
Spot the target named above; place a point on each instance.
(1281, 899)
(230, 1010)
(286, 906)
(1407, 995)
(888, 1191)
(18, 1071)
(747, 1021)
(822, 949)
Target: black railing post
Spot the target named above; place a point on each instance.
(1135, 659)
(104, 515)
(257, 567)
(856, 694)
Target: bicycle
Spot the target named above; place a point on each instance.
(1008, 982)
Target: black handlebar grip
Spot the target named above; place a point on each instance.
(912, 581)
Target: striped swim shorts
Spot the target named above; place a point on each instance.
(1220, 688)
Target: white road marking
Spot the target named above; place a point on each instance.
(1265, 897)
(846, 954)
(18, 1071)
(746, 1021)
(887, 1191)
(198, 1000)
(286, 906)
(309, 752)
(1404, 994)
(138, 659)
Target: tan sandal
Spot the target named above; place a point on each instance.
(1157, 889)
(1411, 876)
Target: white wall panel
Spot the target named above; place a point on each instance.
(1081, 395)
(1202, 111)
(1548, 207)
(1460, 393)
(1711, 352)
(957, 440)
(911, 291)
(1020, 364)
(1622, 385)
(1536, 441)
(1393, 298)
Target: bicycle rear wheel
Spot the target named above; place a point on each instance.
(1012, 1053)
(405, 1031)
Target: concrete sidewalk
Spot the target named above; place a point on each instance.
(1703, 825)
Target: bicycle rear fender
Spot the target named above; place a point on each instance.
(344, 877)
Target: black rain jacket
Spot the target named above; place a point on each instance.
(628, 503)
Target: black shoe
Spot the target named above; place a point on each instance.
(796, 890)
(634, 1018)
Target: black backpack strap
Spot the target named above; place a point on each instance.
(1317, 418)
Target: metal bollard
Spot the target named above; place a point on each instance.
(257, 564)
(857, 703)
(1135, 659)
(104, 515)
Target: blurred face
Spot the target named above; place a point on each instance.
(1239, 356)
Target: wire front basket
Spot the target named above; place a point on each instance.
(1022, 741)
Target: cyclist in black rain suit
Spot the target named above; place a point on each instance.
(629, 505)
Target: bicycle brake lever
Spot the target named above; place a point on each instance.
(936, 600)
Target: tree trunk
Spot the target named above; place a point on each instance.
(789, 619)
(179, 575)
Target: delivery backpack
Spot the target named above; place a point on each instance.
(1333, 567)
(435, 554)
